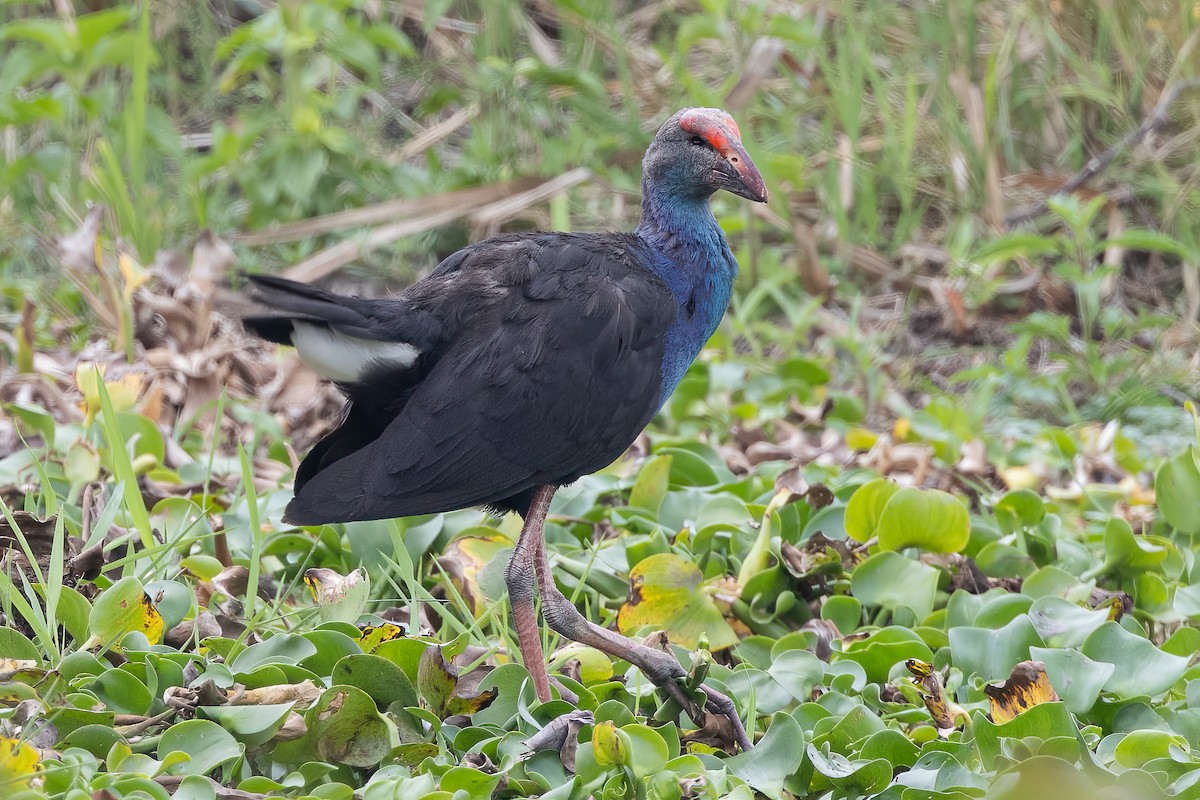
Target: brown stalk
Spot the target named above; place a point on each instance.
(386, 211)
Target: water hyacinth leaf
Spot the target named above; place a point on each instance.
(444, 690)
(282, 648)
(464, 562)
(1020, 509)
(124, 608)
(370, 637)
(857, 777)
(250, 724)
(768, 693)
(339, 598)
(883, 649)
(348, 729)
(991, 654)
(594, 666)
(385, 682)
(1076, 678)
(1026, 687)
(1129, 553)
(18, 763)
(1142, 746)
(775, 761)
(1140, 668)
(1064, 624)
(651, 485)
(865, 508)
(668, 592)
(611, 745)
(1043, 721)
(207, 743)
(1177, 487)
(121, 692)
(797, 671)
(891, 581)
(844, 611)
(930, 519)
(648, 750)
(16, 646)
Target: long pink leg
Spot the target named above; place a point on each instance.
(520, 575)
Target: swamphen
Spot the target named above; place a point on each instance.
(520, 364)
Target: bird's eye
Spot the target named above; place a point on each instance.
(698, 140)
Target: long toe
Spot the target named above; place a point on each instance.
(720, 704)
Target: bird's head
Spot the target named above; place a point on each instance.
(698, 151)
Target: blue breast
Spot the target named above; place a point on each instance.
(697, 265)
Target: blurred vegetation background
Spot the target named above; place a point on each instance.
(903, 144)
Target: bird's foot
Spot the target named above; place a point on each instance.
(666, 673)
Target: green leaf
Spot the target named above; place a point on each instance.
(122, 692)
(14, 645)
(991, 654)
(647, 752)
(929, 519)
(1063, 624)
(207, 743)
(251, 724)
(122, 609)
(282, 648)
(1020, 509)
(348, 729)
(883, 649)
(1140, 747)
(865, 507)
(771, 765)
(1177, 488)
(385, 682)
(651, 485)
(891, 581)
(1140, 668)
(1076, 678)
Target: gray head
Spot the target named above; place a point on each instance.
(698, 151)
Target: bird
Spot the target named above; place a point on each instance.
(520, 364)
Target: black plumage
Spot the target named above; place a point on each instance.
(539, 362)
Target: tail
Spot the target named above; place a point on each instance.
(340, 338)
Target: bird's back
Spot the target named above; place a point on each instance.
(522, 360)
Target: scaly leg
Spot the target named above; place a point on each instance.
(561, 615)
(521, 579)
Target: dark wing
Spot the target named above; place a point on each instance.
(552, 370)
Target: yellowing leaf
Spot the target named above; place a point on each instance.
(610, 744)
(123, 608)
(132, 273)
(1019, 478)
(1026, 687)
(374, 635)
(328, 586)
(122, 392)
(668, 592)
(340, 598)
(861, 439)
(18, 763)
(464, 560)
(152, 621)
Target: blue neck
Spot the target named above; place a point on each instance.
(694, 260)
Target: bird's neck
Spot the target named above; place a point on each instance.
(695, 262)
